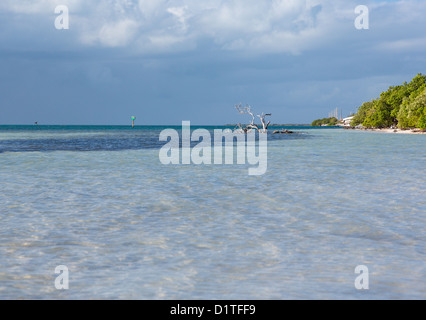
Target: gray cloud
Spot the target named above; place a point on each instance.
(188, 59)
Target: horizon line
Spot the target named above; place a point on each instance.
(142, 125)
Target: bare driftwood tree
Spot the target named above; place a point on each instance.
(252, 125)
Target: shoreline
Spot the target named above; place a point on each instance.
(389, 130)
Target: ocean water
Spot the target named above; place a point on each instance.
(99, 201)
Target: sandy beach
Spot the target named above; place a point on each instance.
(389, 130)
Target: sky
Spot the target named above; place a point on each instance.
(168, 61)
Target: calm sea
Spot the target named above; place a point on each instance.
(98, 201)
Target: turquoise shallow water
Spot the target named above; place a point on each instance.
(98, 200)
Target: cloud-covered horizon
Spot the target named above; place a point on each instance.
(194, 58)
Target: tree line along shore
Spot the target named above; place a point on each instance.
(400, 108)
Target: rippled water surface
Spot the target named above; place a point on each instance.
(98, 200)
